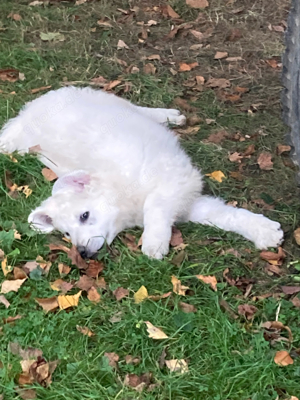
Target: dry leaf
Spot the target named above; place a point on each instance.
(177, 287)
(276, 326)
(93, 295)
(99, 81)
(120, 293)
(85, 330)
(157, 297)
(10, 320)
(234, 35)
(15, 17)
(140, 295)
(281, 148)
(73, 255)
(247, 310)
(9, 75)
(217, 176)
(109, 86)
(290, 289)
(138, 383)
(132, 360)
(26, 394)
(63, 269)
(153, 57)
(191, 130)
(297, 236)
(12, 286)
(65, 302)
(177, 366)
(198, 35)
(106, 24)
(61, 286)
(220, 54)
(211, 280)
(296, 302)
(187, 67)
(235, 157)
(197, 3)
(282, 358)
(217, 137)
(48, 304)
(154, 332)
(130, 241)
(265, 161)
(4, 301)
(79, 2)
(273, 258)
(6, 268)
(182, 103)
(40, 89)
(220, 83)
(234, 59)
(187, 308)
(149, 69)
(85, 282)
(49, 174)
(272, 63)
(113, 359)
(19, 273)
(94, 268)
(176, 238)
(122, 45)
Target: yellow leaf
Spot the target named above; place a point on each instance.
(217, 176)
(177, 366)
(6, 268)
(140, 295)
(12, 286)
(282, 358)
(85, 330)
(211, 280)
(68, 301)
(178, 288)
(155, 333)
(25, 189)
(17, 235)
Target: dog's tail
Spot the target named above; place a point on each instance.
(255, 227)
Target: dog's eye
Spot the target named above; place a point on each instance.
(67, 235)
(84, 216)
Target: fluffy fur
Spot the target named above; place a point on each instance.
(119, 167)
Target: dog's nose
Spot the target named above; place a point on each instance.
(82, 251)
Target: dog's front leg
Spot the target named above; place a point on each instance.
(157, 228)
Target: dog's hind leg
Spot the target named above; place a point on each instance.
(255, 227)
(163, 115)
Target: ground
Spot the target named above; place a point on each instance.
(228, 355)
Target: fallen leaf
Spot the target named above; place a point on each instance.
(140, 295)
(273, 269)
(149, 68)
(234, 59)
(277, 326)
(296, 302)
(130, 241)
(122, 45)
(85, 330)
(12, 286)
(211, 280)
(94, 268)
(217, 176)
(38, 370)
(106, 24)
(197, 34)
(177, 287)
(132, 360)
(247, 310)
(15, 17)
(138, 383)
(176, 238)
(63, 269)
(225, 306)
(154, 332)
(61, 286)
(19, 273)
(177, 366)
(282, 358)
(182, 103)
(29, 353)
(153, 57)
(265, 161)
(297, 236)
(187, 308)
(48, 304)
(9, 75)
(74, 256)
(273, 258)
(197, 3)
(36, 3)
(281, 148)
(168, 11)
(272, 63)
(26, 394)
(65, 302)
(187, 67)
(79, 2)
(220, 83)
(93, 295)
(234, 35)
(40, 89)
(85, 282)
(120, 293)
(6, 268)
(49, 36)
(217, 137)
(235, 157)
(109, 86)
(99, 81)
(290, 289)
(196, 47)
(157, 297)
(117, 317)
(113, 359)
(4, 301)
(220, 54)
(191, 130)
(49, 174)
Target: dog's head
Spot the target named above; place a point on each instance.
(79, 210)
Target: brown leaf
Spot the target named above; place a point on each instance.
(93, 295)
(265, 161)
(149, 69)
(9, 74)
(220, 54)
(296, 302)
(12, 286)
(187, 308)
(109, 86)
(4, 301)
(138, 382)
(132, 360)
(281, 148)
(176, 238)
(229, 280)
(61, 286)
(68, 301)
(74, 256)
(85, 282)
(220, 83)
(191, 130)
(234, 59)
(277, 326)
(39, 370)
(113, 359)
(290, 289)
(15, 17)
(182, 103)
(106, 24)
(40, 89)
(48, 174)
(94, 268)
(154, 57)
(235, 157)
(130, 241)
(223, 304)
(273, 258)
(85, 330)
(177, 366)
(297, 236)
(273, 269)
(272, 63)
(247, 310)
(154, 332)
(168, 11)
(183, 67)
(122, 45)
(25, 394)
(217, 137)
(63, 269)
(10, 320)
(120, 293)
(211, 280)
(197, 3)
(19, 273)
(157, 297)
(26, 354)
(234, 35)
(282, 358)
(99, 81)
(178, 288)
(48, 304)
(198, 35)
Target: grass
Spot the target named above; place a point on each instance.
(227, 358)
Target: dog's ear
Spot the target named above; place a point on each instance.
(40, 220)
(76, 180)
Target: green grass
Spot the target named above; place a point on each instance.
(227, 358)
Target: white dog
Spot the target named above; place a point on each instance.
(119, 167)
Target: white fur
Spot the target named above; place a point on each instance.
(116, 161)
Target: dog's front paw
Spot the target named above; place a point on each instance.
(155, 249)
(267, 233)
